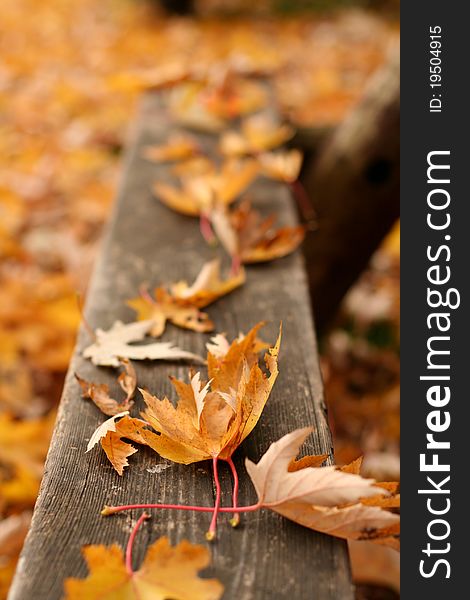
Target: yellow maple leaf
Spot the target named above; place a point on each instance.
(198, 194)
(258, 134)
(167, 573)
(281, 166)
(180, 305)
(178, 147)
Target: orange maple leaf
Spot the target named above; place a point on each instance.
(180, 304)
(211, 421)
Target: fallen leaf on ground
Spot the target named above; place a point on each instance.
(195, 166)
(110, 434)
(245, 234)
(177, 148)
(376, 565)
(164, 77)
(324, 498)
(198, 194)
(258, 134)
(13, 530)
(233, 96)
(231, 407)
(181, 303)
(207, 287)
(315, 460)
(167, 573)
(189, 111)
(115, 343)
(99, 392)
(281, 166)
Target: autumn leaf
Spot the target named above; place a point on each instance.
(315, 460)
(207, 287)
(167, 573)
(115, 343)
(164, 77)
(102, 430)
(281, 166)
(187, 109)
(227, 409)
(194, 166)
(13, 530)
(110, 435)
(249, 237)
(198, 194)
(233, 96)
(99, 393)
(208, 100)
(181, 303)
(177, 148)
(258, 134)
(325, 498)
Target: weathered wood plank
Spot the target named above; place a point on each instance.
(268, 557)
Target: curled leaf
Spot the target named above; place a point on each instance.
(281, 166)
(178, 147)
(181, 303)
(99, 392)
(198, 194)
(252, 238)
(258, 134)
(110, 434)
(102, 430)
(229, 410)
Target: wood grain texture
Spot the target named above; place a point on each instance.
(268, 557)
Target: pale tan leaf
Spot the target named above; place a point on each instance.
(324, 498)
(113, 344)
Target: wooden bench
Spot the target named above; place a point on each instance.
(267, 557)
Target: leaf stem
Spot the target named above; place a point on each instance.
(143, 517)
(111, 510)
(235, 520)
(206, 229)
(210, 535)
(236, 264)
(145, 294)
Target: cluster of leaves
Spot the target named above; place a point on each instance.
(207, 191)
(211, 419)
